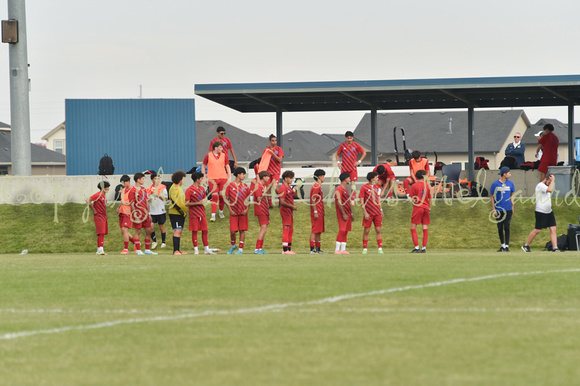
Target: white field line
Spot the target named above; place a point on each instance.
(271, 307)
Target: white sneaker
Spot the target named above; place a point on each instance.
(101, 252)
(139, 252)
(209, 253)
(222, 215)
(154, 245)
(212, 218)
(163, 245)
(150, 252)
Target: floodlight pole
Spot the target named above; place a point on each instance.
(19, 88)
(470, 149)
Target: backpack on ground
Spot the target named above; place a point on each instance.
(106, 167)
(562, 242)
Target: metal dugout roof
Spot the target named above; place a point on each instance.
(413, 94)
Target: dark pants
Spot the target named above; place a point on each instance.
(503, 226)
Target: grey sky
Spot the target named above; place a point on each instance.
(107, 49)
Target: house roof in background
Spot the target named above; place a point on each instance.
(247, 146)
(430, 131)
(57, 128)
(560, 130)
(38, 154)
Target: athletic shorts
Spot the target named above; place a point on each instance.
(143, 224)
(216, 186)
(353, 174)
(238, 223)
(125, 221)
(287, 221)
(263, 220)
(543, 168)
(344, 226)
(545, 220)
(102, 227)
(158, 218)
(177, 221)
(317, 224)
(376, 219)
(420, 216)
(276, 180)
(197, 223)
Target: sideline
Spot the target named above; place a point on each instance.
(273, 307)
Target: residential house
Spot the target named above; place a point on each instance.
(56, 139)
(560, 130)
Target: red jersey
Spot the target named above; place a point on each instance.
(550, 143)
(236, 195)
(225, 143)
(342, 198)
(316, 200)
(261, 207)
(195, 194)
(421, 194)
(349, 155)
(100, 204)
(387, 174)
(371, 201)
(286, 193)
(138, 197)
(274, 166)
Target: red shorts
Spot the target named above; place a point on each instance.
(317, 224)
(353, 174)
(543, 168)
(420, 216)
(217, 185)
(102, 227)
(143, 224)
(376, 219)
(344, 226)
(197, 223)
(263, 220)
(276, 180)
(288, 221)
(125, 221)
(238, 223)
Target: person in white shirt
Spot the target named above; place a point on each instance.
(544, 214)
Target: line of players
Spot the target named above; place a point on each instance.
(136, 202)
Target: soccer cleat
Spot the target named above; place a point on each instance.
(239, 253)
(222, 215)
(209, 253)
(424, 250)
(364, 252)
(257, 252)
(502, 249)
(262, 252)
(345, 253)
(232, 249)
(337, 252)
(380, 251)
(196, 252)
(289, 253)
(526, 248)
(177, 253)
(416, 250)
(313, 252)
(163, 245)
(320, 251)
(139, 252)
(154, 245)
(125, 252)
(506, 249)
(212, 218)
(553, 250)
(150, 252)
(101, 252)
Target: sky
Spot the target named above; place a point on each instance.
(152, 49)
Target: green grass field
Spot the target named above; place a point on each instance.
(460, 314)
(445, 317)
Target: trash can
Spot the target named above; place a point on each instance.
(564, 176)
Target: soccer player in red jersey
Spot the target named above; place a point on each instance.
(272, 162)
(387, 179)
(261, 209)
(415, 164)
(421, 196)
(226, 143)
(140, 214)
(287, 208)
(237, 199)
(98, 204)
(218, 174)
(317, 211)
(373, 213)
(195, 200)
(548, 143)
(343, 213)
(124, 211)
(350, 151)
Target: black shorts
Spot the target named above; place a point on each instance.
(545, 220)
(177, 221)
(158, 218)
